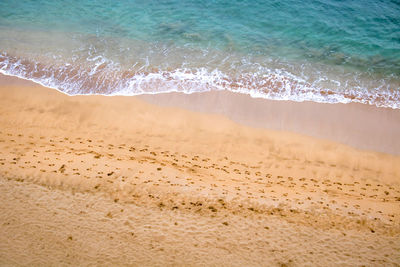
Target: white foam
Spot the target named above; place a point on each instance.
(106, 78)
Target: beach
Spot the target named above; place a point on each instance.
(189, 180)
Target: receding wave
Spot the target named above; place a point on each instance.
(105, 77)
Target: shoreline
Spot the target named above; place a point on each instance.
(358, 125)
(118, 180)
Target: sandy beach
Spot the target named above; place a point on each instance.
(183, 180)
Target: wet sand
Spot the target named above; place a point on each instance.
(118, 180)
(361, 126)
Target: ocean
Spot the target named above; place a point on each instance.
(328, 51)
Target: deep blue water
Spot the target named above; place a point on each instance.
(324, 51)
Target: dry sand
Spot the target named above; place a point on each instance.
(94, 180)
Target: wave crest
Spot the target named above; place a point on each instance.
(103, 76)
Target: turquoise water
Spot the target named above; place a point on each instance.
(324, 51)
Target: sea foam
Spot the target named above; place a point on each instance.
(105, 77)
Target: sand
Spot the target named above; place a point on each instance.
(95, 180)
(361, 126)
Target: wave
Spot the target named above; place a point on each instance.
(105, 77)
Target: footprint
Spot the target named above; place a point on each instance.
(62, 168)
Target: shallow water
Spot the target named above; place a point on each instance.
(323, 51)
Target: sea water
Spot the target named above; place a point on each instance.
(331, 51)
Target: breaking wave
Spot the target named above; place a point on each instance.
(103, 76)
